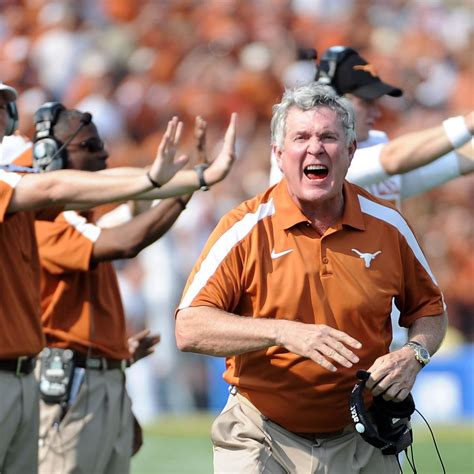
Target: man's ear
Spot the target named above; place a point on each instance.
(352, 150)
(277, 154)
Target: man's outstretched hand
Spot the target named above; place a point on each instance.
(222, 164)
(142, 344)
(166, 165)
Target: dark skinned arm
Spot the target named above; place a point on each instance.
(127, 240)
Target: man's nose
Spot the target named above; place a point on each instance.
(314, 146)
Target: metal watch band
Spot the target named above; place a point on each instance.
(203, 186)
(422, 354)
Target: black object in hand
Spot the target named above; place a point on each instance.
(362, 375)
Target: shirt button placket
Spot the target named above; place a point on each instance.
(324, 260)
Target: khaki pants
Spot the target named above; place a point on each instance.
(95, 435)
(246, 442)
(18, 423)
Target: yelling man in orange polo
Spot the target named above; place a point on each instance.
(294, 287)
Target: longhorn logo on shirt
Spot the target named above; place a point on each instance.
(370, 68)
(367, 257)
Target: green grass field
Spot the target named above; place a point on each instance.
(182, 446)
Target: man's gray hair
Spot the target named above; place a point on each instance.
(308, 97)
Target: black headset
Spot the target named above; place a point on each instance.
(329, 63)
(49, 153)
(12, 123)
(387, 424)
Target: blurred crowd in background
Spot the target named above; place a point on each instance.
(135, 63)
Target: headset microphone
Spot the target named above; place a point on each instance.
(86, 118)
(48, 153)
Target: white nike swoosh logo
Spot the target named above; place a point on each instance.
(280, 254)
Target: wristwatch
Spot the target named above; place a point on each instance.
(421, 353)
(203, 186)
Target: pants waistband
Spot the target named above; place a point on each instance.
(325, 434)
(22, 365)
(99, 363)
(309, 436)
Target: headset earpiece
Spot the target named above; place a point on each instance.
(403, 409)
(386, 425)
(47, 152)
(363, 425)
(329, 63)
(12, 123)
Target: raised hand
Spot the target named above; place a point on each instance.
(166, 165)
(200, 128)
(222, 164)
(142, 344)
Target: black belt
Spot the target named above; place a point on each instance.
(99, 363)
(22, 365)
(322, 435)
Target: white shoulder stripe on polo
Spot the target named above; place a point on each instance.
(12, 179)
(222, 247)
(90, 231)
(395, 219)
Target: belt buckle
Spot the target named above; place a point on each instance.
(123, 364)
(96, 363)
(19, 363)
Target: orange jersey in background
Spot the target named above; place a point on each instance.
(20, 328)
(80, 305)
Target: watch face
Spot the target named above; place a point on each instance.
(424, 354)
(421, 353)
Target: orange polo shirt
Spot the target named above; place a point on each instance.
(264, 260)
(81, 306)
(20, 328)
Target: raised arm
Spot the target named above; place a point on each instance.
(187, 181)
(465, 158)
(79, 189)
(71, 187)
(127, 240)
(412, 150)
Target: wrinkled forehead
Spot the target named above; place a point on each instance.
(316, 118)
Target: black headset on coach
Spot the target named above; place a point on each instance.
(49, 154)
(12, 123)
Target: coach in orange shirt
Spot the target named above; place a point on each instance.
(91, 429)
(21, 337)
(295, 288)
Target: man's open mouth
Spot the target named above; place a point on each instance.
(316, 171)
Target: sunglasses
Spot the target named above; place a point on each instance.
(92, 144)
